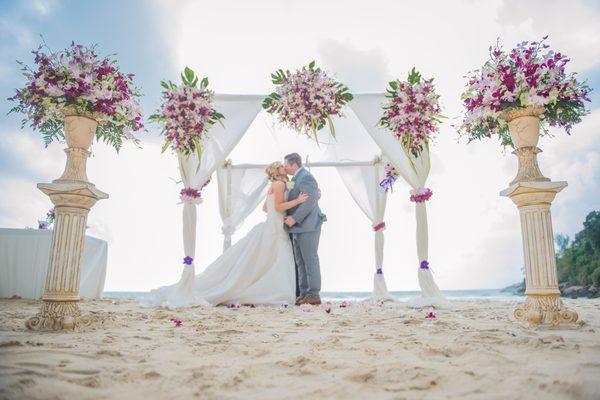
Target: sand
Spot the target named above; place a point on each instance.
(473, 351)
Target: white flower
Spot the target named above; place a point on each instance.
(290, 185)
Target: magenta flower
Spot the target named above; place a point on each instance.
(177, 322)
(420, 195)
(431, 315)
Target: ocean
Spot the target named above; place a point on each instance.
(491, 294)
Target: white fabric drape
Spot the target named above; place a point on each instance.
(240, 192)
(367, 108)
(24, 255)
(362, 183)
(239, 112)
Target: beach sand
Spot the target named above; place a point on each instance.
(475, 350)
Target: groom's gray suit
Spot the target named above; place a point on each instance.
(305, 234)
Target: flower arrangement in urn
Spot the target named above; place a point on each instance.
(306, 99)
(77, 82)
(412, 113)
(529, 80)
(186, 113)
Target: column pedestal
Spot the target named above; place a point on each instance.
(60, 309)
(542, 303)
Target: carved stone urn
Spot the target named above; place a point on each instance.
(73, 196)
(533, 194)
(524, 128)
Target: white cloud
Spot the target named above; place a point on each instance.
(573, 27)
(24, 149)
(42, 8)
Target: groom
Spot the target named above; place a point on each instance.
(303, 222)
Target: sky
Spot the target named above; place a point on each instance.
(475, 240)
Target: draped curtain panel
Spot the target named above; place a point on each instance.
(240, 192)
(362, 183)
(239, 112)
(414, 170)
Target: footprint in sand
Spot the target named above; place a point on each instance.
(111, 353)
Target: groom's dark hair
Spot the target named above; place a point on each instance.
(294, 158)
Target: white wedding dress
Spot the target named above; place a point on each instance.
(258, 269)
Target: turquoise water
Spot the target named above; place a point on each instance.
(492, 294)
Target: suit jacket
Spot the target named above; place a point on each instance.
(308, 215)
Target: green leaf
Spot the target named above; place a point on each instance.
(199, 152)
(189, 74)
(165, 146)
(204, 83)
(331, 127)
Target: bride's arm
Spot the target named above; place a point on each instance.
(279, 191)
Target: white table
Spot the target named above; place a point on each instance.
(24, 262)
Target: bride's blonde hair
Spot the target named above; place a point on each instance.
(272, 171)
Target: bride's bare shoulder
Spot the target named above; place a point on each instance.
(277, 187)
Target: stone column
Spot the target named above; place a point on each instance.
(73, 197)
(542, 302)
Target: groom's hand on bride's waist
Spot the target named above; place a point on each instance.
(289, 221)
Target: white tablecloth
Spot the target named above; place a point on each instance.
(24, 262)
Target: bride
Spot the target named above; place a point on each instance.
(258, 269)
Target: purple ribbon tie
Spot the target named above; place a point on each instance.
(379, 226)
(424, 264)
(188, 260)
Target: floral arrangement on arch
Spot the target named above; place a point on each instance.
(529, 75)
(412, 113)
(306, 99)
(76, 81)
(186, 113)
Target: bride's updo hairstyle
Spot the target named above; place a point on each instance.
(273, 172)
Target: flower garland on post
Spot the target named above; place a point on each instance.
(76, 81)
(306, 99)
(530, 75)
(186, 115)
(412, 114)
